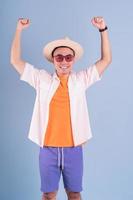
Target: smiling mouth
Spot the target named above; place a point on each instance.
(64, 67)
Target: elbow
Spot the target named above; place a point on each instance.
(108, 60)
(13, 61)
(13, 64)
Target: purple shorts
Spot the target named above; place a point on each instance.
(56, 160)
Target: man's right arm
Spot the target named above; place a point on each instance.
(15, 57)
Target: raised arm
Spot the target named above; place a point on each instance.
(15, 57)
(106, 55)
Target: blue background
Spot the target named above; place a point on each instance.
(108, 160)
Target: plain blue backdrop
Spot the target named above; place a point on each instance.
(108, 160)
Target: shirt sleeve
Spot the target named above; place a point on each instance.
(89, 76)
(30, 75)
(33, 76)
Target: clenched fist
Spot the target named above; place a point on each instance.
(98, 22)
(23, 23)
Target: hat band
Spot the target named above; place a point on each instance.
(62, 47)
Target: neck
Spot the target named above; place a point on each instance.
(62, 75)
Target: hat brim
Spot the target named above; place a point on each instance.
(47, 50)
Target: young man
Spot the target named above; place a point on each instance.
(60, 122)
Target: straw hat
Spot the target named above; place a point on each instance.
(47, 50)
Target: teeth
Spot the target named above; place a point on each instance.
(63, 67)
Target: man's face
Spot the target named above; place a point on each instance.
(63, 67)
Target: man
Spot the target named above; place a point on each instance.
(60, 122)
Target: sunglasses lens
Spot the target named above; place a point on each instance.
(59, 58)
(69, 58)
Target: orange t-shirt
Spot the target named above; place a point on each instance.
(59, 130)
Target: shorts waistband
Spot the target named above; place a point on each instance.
(61, 155)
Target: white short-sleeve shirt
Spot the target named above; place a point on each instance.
(45, 85)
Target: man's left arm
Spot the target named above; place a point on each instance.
(106, 55)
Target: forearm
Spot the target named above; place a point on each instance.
(15, 57)
(16, 47)
(105, 47)
(106, 55)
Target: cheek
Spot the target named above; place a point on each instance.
(71, 64)
(55, 63)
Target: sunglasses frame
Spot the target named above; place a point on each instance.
(62, 57)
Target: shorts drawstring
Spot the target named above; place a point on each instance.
(62, 160)
(58, 157)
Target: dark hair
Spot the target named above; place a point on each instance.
(62, 47)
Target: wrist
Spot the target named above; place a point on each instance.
(18, 30)
(103, 29)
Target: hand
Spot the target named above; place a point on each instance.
(98, 22)
(23, 23)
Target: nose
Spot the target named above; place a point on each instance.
(64, 61)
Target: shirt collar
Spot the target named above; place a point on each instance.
(56, 77)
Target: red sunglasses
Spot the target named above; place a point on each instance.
(60, 58)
